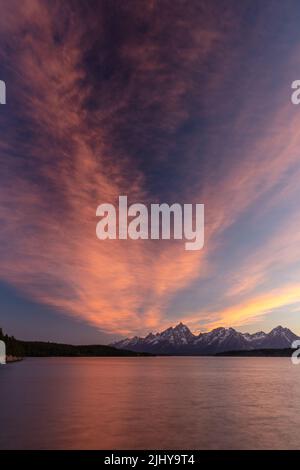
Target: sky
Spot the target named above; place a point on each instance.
(162, 101)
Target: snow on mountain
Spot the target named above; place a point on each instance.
(180, 340)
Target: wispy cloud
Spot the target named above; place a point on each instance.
(107, 104)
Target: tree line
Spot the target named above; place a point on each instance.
(13, 346)
(19, 348)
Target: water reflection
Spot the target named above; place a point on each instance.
(152, 403)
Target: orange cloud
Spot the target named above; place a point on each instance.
(69, 159)
(256, 307)
(50, 250)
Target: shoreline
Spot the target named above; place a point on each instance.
(10, 359)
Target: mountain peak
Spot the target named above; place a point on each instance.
(279, 328)
(280, 331)
(181, 327)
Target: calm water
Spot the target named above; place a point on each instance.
(152, 403)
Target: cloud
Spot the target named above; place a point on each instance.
(63, 164)
(108, 102)
(256, 307)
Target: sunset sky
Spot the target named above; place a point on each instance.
(163, 101)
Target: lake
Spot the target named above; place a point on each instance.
(150, 403)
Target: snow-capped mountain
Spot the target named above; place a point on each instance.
(180, 340)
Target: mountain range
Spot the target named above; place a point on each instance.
(179, 340)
